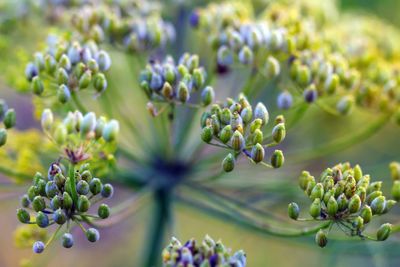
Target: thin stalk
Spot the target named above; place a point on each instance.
(78, 103)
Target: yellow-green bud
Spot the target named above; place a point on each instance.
(272, 68)
(332, 83)
(100, 82)
(111, 131)
(354, 204)
(279, 133)
(304, 179)
(384, 232)
(216, 125)
(37, 85)
(60, 134)
(85, 80)
(62, 76)
(396, 190)
(88, 123)
(198, 78)
(303, 76)
(67, 200)
(23, 216)
(167, 90)
(345, 105)
(226, 116)
(83, 203)
(277, 159)
(255, 125)
(317, 191)
(395, 170)
(366, 214)
(237, 141)
(258, 136)
(183, 92)
(49, 64)
(375, 186)
(389, 205)
(246, 114)
(358, 223)
(372, 196)
(63, 94)
(226, 134)
(332, 206)
(228, 164)
(357, 173)
(321, 239)
(293, 211)
(257, 153)
(207, 134)
(315, 208)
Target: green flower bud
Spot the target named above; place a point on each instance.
(279, 133)
(303, 76)
(317, 191)
(226, 116)
(59, 179)
(100, 124)
(100, 82)
(23, 216)
(328, 194)
(64, 62)
(246, 55)
(378, 205)
(258, 136)
(79, 70)
(358, 223)
(215, 124)
(25, 202)
(63, 94)
(183, 92)
(261, 112)
(85, 80)
(384, 232)
(332, 206)
(272, 68)
(167, 91)
(354, 204)
(395, 170)
(366, 214)
(257, 153)
(42, 220)
(59, 216)
(396, 190)
(37, 85)
(3, 137)
(103, 211)
(38, 203)
(332, 83)
(82, 187)
(246, 114)
(293, 211)
(32, 192)
(92, 235)
(362, 193)
(315, 208)
(93, 66)
(372, 196)
(357, 173)
(95, 186)
(321, 239)
(56, 203)
(342, 202)
(50, 64)
(62, 76)
(345, 105)
(47, 119)
(255, 125)
(107, 191)
(51, 189)
(207, 134)
(88, 123)
(225, 134)
(9, 118)
(111, 131)
(83, 203)
(207, 96)
(304, 179)
(198, 79)
(237, 141)
(60, 134)
(228, 164)
(236, 122)
(169, 74)
(277, 159)
(67, 201)
(389, 205)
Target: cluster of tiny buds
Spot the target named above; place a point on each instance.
(207, 253)
(74, 132)
(235, 126)
(66, 67)
(133, 26)
(8, 117)
(175, 83)
(344, 196)
(63, 197)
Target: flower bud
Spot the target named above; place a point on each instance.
(85, 80)
(358, 223)
(59, 216)
(304, 179)
(237, 141)
(88, 123)
(257, 153)
(357, 173)
(103, 211)
(50, 64)
(103, 60)
(169, 74)
(111, 131)
(183, 92)
(215, 124)
(42, 220)
(396, 190)
(246, 114)
(207, 96)
(226, 116)
(9, 118)
(3, 137)
(67, 240)
(261, 112)
(345, 105)
(38, 247)
(198, 78)
(100, 82)
(51, 189)
(82, 187)
(25, 202)
(167, 91)
(395, 170)
(225, 134)
(378, 205)
(354, 204)
(332, 206)
(293, 211)
(272, 68)
(228, 164)
(95, 186)
(321, 238)
(224, 56)
(79, 70)
(372, 196)
(92, 235)
(207, 134)
(277, 159)
(37, 85)
(284, 100)
(93, 66)
(38, 203)
(389, 205)
(64, 62)
(23, 216)
(60, 134)
(315, 208)
(246, 55)
(56, 203)
(31, 71)
(279, 133)
(107, 191)
(63, 94)
(258, 136)
(310, 94)
(384, 232)
(67, 201)
(83, 203)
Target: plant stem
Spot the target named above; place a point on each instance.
(71, 175)
(78, 103)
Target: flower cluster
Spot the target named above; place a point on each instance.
(62, 197)
(80, 136)
(8, 117)
(234, 125)
(208, 253)
(174, 83)
(344, 196)
(135, 26)
(65, 67)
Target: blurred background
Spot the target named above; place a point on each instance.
(121, 243)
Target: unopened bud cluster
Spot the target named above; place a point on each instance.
(8, 118)
(345, 196)
(134, 26)
(62, 197)
(66, 67)
(170, 82)
(206, 253)
(240, 128)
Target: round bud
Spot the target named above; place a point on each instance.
(237, 141)
(103, 60)
(64, 62)
(310, 94)
(272, 67)
(86, 175)
(51, 189)
(384, 232)
(63, 94)
(345, 105)
(67, 201)
(38, 204)
(59, 216)
(88, 123)
(85, 80)
(47, 119)
(304, 179)
(42, 220)
(358, 223)
(100, 82)
(56, 203)
(303, 76)
(107, 191)
(321, 239)
(279, 133)
(92, 235)
(83, 203)
(67, 240)
(277, 159)
(31, 71)
(258, 136)
(285, 100)
(246, 55)
(226, 116)
(100, 124)
(3, 137)
(103, 211)
(228, 164)
(225, 134)
(198, 78)
(224, 56)
(38, 247)
(95, 186)
(25, 201)
(9, 118)
(261, 112)
(293, 211)
(378, 205)
(257, 153)
(207, 134)
(354, 204)
(366, 214)
(32, 192)
(342, 201)
(82, 187)
(315, 208)
(111, 131)
(23, 216)
(93, 66)
(37, 86)
(167, 91)
(207, 96)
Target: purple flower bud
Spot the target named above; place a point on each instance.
(194, 18)
(285, 100)
(38, 247)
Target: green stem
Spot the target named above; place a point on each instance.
(78, 103)
(73, 183)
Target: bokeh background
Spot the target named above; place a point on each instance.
(121, 244)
